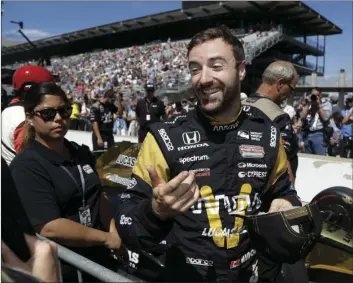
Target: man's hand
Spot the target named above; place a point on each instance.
(174, 197)
(112, 241)
(100, 142)
(44, 262)
(279, 204)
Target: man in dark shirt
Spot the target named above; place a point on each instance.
(278, 82)
(102, 118)
(149, 110)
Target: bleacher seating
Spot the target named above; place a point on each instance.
(164, 63)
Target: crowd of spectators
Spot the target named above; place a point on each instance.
(85, 77)
(322, 127)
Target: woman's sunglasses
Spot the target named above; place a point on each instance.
(48, 114)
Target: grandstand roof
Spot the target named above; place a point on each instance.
(296, 17)
(7, 42)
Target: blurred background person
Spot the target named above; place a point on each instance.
(75, 116)
(149, 110)
(316, 114)
(333, 148)
(13, 117)
(103, 114)
(346, 144)
(132, 120)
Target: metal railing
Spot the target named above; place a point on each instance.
(313, 43)
(95, 270)
(258, 46)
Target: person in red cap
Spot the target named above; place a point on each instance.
(13, 117)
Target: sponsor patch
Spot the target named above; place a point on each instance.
(256, 136)
(201, 172)
(246, 108)
(219, 128)
(245, 135)
(251, 151)
(134, 259)
(194, 158)
(132, 184)
(252, 174)
(218, 232)
(166, 139)
(247, 256)
(88, 169)
(197, 261)
(187, 147)
(125, 220)
(234, 264)
(175, 119)
(273, 138)
(125, 196)
(116, 179)
(125, 160)
(242, 165)
(190, 138)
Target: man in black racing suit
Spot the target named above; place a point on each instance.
(194, 174)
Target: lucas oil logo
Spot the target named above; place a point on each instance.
(125, 160)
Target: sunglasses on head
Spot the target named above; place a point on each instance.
(48, 114)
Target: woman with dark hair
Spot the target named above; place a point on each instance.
(57, 181)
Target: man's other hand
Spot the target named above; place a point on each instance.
(279, 204)
(174, 197)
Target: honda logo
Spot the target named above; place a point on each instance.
(191, 138)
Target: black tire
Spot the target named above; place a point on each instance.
(338, 200)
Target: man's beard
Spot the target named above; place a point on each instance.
(226, 103)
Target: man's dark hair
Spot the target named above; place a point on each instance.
(219, 32)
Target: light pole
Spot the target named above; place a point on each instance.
(20, 24)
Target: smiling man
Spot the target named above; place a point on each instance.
(196, 173)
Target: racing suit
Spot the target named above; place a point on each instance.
(240, 167)
(284, 123)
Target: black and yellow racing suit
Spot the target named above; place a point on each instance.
(240, 168)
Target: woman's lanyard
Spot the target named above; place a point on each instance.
(82, 182)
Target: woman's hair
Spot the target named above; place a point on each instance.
(33, 98)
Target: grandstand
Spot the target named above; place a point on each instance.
(270, 30)
(7, 43)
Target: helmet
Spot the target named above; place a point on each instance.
(29, 75)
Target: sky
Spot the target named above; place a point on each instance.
(45, 19)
